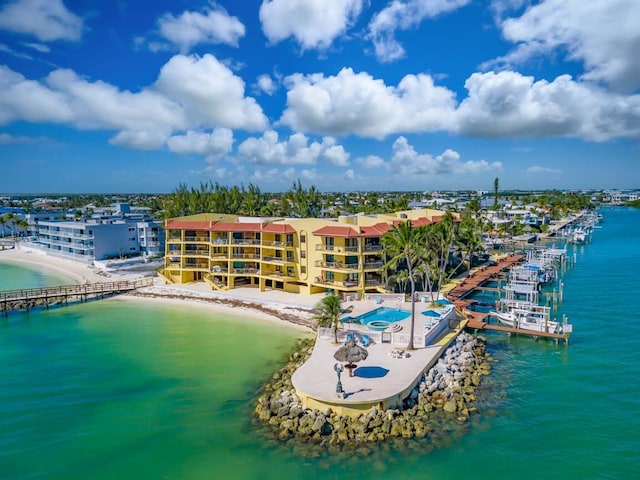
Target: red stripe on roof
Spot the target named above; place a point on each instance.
(376, 230)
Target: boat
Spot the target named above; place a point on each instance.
(527, 320)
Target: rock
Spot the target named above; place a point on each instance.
(450, 406)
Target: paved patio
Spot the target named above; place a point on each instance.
(380, 380)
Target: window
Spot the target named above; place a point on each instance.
(303, 270)
(303, 238)
(132, 229)
(303, 254)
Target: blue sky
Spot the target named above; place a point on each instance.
(137, 96)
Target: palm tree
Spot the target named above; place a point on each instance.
(3, 222)
(444, 236)
(402, 247)
(328, 312)
(11, 219)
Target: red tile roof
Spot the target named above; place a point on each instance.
(174, 224)
(336, 231)
(418, 222)
(376, 230)
(278, 228)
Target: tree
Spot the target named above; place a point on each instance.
(3, 223)
(403, 249)
(328, 312)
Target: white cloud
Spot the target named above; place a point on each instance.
(191, 93)
(356, 103)
(8, 139)
(296, 150)
(349, 175)
(212, 26)
(312, 23)
(47, 20)
(539, 169)
(210, 93)
(308, 174)
(213, 145)
(404, 15)
(510, 104)
(603, 35)
(40, 47)
(265, 84)
(336, 155)
(406, 161)
(139, 139)
(371, 161)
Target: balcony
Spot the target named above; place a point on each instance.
(197, 253)
(245, 271)
(336, 248)
(373, 265)
(337, 265)
(219, 241)
(196, 265)
(245, 241)
(196, 239)
(248, 256)
(373, 248)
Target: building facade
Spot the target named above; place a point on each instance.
(96, 239)
(305, 256)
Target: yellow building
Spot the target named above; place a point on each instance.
(308, 255)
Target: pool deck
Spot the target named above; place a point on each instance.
(380, 381)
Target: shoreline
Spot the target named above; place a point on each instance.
(285, 314)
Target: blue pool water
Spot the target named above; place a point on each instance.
(385, 314)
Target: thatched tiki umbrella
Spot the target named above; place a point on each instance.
(351, 353)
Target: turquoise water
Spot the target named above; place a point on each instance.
(115, 389)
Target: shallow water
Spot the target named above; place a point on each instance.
(115, 389)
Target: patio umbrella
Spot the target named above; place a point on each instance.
(351, 353)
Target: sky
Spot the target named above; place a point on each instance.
(344, 95)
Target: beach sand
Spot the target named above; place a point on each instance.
(279, 308)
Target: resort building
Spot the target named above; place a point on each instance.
(306, 255)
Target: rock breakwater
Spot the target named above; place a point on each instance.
(447, 390)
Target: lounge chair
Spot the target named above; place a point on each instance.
(349, 338)
(365, 341)
(378, 300)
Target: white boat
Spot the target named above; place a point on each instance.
(527, 320)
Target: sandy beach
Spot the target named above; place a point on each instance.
(277, 308)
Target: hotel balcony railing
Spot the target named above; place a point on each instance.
(337, 265)
(197, 253)
(198, 265)
(250, 256)
(373, 265)
(372, 283)
(219, 269)
(373, 248)
(278, 275)
(251, 271)
(336, 248)
(220, 241)
(350, 283)
(271, 259)
(245, 241)
(196, 239)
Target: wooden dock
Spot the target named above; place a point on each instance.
(478, 320)
(26, 299)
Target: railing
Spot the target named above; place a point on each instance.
(337, 265)
(271, 259)
(372, 248)
(373, 265)
(245, 241)
(251, 256)
(196, 239)
(201, 253)
(252, 271)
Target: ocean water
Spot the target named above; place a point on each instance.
(115, 389)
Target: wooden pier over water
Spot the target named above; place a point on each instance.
(28, 298)
(478, 320)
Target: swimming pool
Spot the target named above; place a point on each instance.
(380, 318)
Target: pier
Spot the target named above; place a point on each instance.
(475, 282)
(26, 299)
